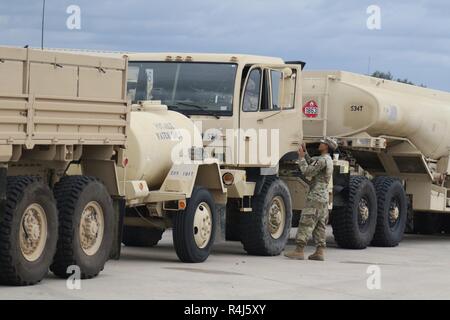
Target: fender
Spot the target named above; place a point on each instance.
(182, 178)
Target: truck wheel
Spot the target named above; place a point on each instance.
(427, 223)
(446, 224)
(28, 232)
(195, 227)
(141, 237)
(354, 225)
(85, 226)
(392, 212)
(265, 231)
(232, 227)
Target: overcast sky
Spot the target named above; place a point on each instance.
(413, 43)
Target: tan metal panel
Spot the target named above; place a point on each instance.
(61, 81)
(59, 98)
(108, 83)
(11, 77)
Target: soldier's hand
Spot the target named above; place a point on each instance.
(301, 152)
(304, 147)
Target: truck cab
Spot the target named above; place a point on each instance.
(248, 109)
(244, 104)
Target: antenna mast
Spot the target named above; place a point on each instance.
(43, 24)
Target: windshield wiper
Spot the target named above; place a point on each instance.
(193, 105)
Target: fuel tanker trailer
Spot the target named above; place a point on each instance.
(396, 140)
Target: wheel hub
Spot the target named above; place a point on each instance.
(202, 225)
(33, 232)
(364, 211)
(91, 228)
(394, 212)
(277, 217)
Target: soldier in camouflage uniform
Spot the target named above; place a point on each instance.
(314, 218)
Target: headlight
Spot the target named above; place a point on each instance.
(228, 179)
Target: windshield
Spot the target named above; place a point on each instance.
(188, 87)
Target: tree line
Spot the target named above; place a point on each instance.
(390, 76)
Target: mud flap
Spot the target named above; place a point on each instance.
(221, 223)
(3, 191)
(119, 214)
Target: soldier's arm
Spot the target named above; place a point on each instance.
(311, 170)
(308, 158)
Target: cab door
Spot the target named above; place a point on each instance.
(270, 115)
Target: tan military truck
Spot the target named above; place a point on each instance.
(75, 156)
(254, 112)
(246, 108)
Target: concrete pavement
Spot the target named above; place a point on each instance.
(419, 268)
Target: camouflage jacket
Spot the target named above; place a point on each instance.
(319, 170)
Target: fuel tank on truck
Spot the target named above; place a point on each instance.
(353, 104)
(157, 138)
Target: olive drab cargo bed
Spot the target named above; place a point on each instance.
(52, 98)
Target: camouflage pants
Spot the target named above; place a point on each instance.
(313, 222)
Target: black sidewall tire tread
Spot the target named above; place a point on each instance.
(72, 193)
(141, 237)
(387, 188)
(15, 270)
(233, 220)
(427, 223)
(346, 230)
(183, 235)
(255, 235)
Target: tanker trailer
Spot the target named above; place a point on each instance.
(167, 183)
(396, 141)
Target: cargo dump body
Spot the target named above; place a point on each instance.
(57, 109)
(396, 135)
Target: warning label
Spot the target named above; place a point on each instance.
(311, 109)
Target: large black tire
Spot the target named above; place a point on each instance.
(184, 232)
(233, 220)
(390, 196)
(141, 237)
(73, 194)
(446, 224)
(255, 226)
(427, 223)
(350, 231)
(15, 268)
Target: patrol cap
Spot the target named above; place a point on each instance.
(330, 142)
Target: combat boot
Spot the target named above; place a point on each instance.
(319, 255)
(297, 254)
